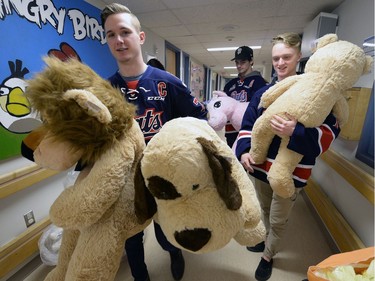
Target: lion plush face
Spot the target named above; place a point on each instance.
(79, 108)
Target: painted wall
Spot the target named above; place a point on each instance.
(30, 30)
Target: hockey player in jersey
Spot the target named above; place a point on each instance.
(243, 87)
(159, 97)
(310, 142)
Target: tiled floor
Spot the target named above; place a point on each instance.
(305, 244)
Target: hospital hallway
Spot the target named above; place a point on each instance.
(306, 243)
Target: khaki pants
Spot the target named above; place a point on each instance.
(275, 214)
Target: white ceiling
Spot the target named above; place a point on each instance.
(195, 25)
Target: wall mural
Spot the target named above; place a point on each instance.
(30, 30)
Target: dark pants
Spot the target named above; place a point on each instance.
(136, 254)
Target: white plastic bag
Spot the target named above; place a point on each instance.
(49, 245)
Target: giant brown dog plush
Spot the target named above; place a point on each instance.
(190, 182)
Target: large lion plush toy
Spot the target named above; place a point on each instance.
(191, 182)
(86, 120)
(333, 68)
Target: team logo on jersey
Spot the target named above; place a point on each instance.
(130, 94)
(250, 84)
(150, 122)
(241, 96)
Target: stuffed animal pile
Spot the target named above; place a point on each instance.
(85, 119)
(191, 183)
(334, 67)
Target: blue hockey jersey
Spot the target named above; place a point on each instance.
(159, 97)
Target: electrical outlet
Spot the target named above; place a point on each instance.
(29, 218)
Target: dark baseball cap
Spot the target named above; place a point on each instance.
(243, 53)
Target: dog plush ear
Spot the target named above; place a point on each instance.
(221, 171)
(144, 202)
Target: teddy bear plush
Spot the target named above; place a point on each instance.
(333, 68)
(191, 183)
(86, 120)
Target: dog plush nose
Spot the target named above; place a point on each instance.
(193, 239)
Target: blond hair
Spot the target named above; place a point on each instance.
(116, 8)
(290, 39)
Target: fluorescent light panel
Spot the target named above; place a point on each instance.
(367, 44)
(230, 48)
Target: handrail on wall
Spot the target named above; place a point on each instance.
(359, 179)
(23, 178)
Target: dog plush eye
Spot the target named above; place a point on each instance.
(195, 186)
(217, 104)
(162, 189)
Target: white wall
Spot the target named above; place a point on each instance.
(37, 198)
(154, 46)
(356, 23)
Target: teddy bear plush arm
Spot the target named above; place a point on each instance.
(341, 111)
(90, 197)
(277, 90)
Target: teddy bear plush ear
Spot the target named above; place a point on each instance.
(90, 103)
(144, 202)
(222, 174)
(325, 40)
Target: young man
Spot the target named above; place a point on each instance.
(159, 97)
(286, 53)
(243, 87)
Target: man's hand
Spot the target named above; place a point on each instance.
(283, 127)
(247, 161)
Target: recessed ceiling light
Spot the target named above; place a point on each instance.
(230, 48)
(228, 27)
